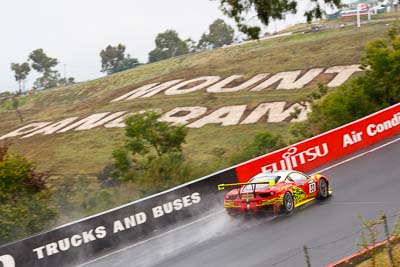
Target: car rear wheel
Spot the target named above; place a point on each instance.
(231, 212)
(288, 203)
(323, 189)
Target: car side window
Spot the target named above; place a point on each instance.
(295, 176)
(288, 180)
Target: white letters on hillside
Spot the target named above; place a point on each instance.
(31, 127)
(146, 90)
(119, 122)
(219, 87)
(197, 117)
(276, 113)
(87, 123)
(288, 80)
(175, 116)
(226, 116)
(192, 117)
(52, 128)
(177, 89)
(343, 74)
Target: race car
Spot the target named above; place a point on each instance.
(276, 191)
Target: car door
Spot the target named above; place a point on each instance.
(307, 185)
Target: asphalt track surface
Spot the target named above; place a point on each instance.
(362, 186)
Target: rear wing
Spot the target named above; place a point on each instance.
(238, 185)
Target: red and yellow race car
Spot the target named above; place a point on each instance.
(276, 191)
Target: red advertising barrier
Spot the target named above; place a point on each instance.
(326, 147)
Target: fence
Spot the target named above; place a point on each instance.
(307, 252)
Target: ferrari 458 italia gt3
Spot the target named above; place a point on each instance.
(277, 191)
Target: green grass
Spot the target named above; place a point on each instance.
(382, 258)
(87, 152)
(335, 22)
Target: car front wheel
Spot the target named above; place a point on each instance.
(323, 189)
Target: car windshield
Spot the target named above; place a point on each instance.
(261, 178)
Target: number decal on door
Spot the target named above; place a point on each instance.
(312, 187)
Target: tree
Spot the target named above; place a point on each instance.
(127, 63)
(168, 44)
(268, 9)
(15, 105)
(382, 64)
(41, 62)
(66, 81)
(111, 56)
(48, 80)
(263, 143)
(21, 71)
(25, 206)
(191, 45)
(113, 59)
(378, 88)
(44, 65)
(219, 34)
(160, 173)
(145, 132)
(151, 157)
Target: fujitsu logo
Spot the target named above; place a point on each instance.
(292, 158)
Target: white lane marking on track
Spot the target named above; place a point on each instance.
(361, 203)
(215, 213)
(152, 238)
(359, 155)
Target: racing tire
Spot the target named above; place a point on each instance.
(232, 213)
(288, 203)
(323, 191)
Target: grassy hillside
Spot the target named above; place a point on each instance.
(73, 153)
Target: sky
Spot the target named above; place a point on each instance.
(75, 31)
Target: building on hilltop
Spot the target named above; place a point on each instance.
(363, 6)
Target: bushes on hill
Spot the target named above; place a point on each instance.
(242, 12)
(377, 89)
(263, 143)
(168, 44)
(220, 34)
(39, 61)
(25, 200)
(151, 156)
(114, 59)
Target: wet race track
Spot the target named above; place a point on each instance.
(367, 182)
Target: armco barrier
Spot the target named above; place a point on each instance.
(326, 147)
(364, 254)
(80, 241)
(89, 237)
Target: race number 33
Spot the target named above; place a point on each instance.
(7, 261)
(312, 187)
